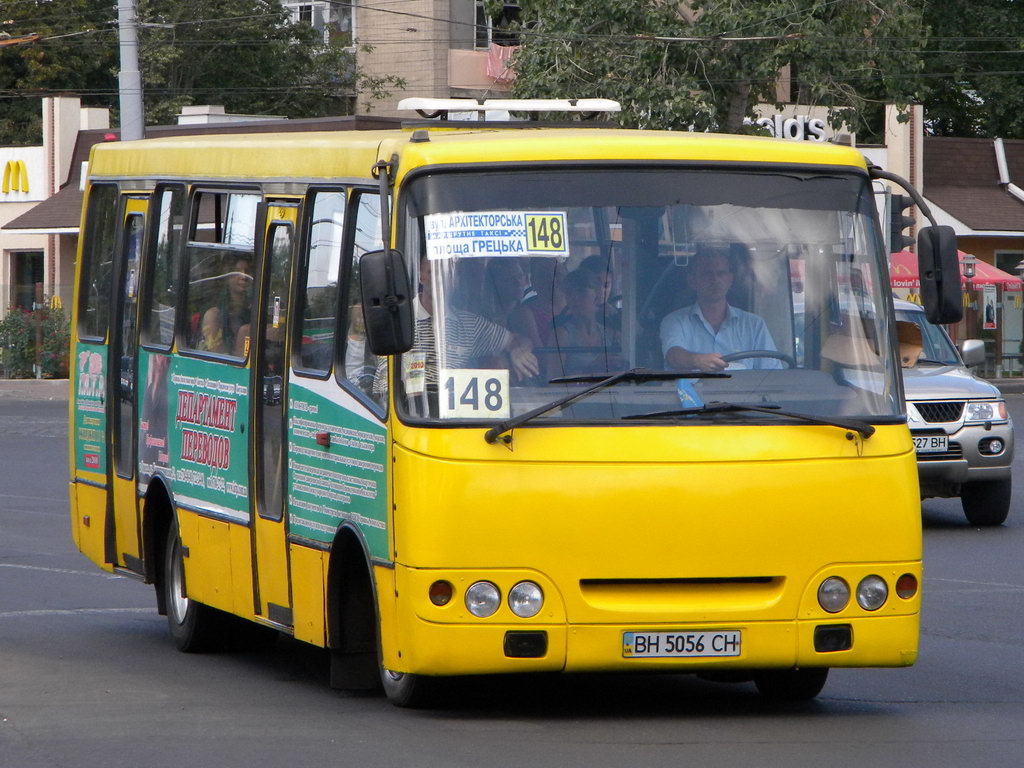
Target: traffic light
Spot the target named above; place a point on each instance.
(898, 222)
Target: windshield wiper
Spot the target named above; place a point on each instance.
(930, 361)
(716, 406)
(601, 380)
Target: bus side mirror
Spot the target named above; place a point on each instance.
(387, 302)
(939, 270)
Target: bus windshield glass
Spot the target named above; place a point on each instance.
(773, 277)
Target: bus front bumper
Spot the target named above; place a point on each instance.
(465, 649)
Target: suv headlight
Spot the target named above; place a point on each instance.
(992, 410)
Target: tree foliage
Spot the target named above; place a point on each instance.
(76, 54)
(706, 63)
(972, 84)
(247, 55)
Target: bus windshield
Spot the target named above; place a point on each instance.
(774, 278)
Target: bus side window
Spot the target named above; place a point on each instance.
(318, 302)
(160, 294)
(359, 365)
(97, 262)
(219, 291)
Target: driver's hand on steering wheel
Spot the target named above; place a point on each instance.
(710, 362)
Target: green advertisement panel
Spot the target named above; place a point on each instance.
(336, 467)
(90, 407)
(193, 430)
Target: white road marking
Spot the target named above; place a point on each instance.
(101, 574)
(71, 612)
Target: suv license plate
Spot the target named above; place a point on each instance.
(681, 644)
(931, 443)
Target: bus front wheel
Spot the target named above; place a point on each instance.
(406, 690)
(194, 627)
(791, 684)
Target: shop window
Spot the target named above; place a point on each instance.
(26, 272)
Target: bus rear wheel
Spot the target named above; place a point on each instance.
(791, 684)
(194, 627)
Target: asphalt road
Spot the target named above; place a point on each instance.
(88, 676)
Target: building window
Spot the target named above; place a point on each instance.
(494, 29)
(27, 270)
(332, 20)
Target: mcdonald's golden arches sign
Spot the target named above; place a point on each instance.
(15, 177)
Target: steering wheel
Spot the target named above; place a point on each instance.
(787, 359)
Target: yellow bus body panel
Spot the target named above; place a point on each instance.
(291, 156)
(647, 528)
(309, 594)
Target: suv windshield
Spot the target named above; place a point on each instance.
(525, 276)
(935, 344)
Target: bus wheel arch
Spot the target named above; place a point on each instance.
(158, 513)
(352, 619)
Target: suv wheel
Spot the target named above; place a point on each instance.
(986, 503)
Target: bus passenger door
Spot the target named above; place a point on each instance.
(122, 536)
(270, 366)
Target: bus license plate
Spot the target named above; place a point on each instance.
(931, 443)
(681, 644)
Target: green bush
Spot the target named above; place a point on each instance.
(18, 343)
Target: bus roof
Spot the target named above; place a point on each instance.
(351, 154)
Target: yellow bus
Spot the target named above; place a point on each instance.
(434, 399)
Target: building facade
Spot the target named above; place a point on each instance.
(44, 254)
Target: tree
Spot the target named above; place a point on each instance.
(972, 84)
(75, 53)
(247, 55)
(706, 63)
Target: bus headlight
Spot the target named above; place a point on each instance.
(833, 594)
(872, 593)
(482, 599)
(525, 599)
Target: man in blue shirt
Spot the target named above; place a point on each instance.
(696, 337)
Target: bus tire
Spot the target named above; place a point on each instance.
(407, 690)
(194, 627)
(988, 503)
(791, 684)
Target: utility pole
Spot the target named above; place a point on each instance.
(129, 79)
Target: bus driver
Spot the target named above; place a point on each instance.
(697, 336)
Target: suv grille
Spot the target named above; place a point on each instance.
(954, 452)
(940, 413)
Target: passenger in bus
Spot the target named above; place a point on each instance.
(608, 309)
(696, 337)
(237, 307)
(507, 282)
(360, 364)
(469, 339)
(588, 345)
(544, 299)
(211, 332)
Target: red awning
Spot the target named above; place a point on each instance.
(903, 273)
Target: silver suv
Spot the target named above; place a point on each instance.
(960, 425)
